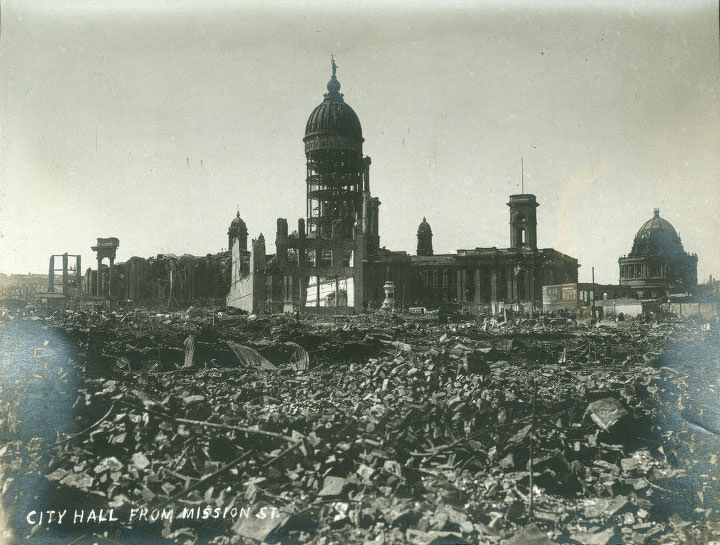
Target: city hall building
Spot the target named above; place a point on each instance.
(333, 262)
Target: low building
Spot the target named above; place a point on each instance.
(333, 262)
(561, 297)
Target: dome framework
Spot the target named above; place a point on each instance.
(337, 173)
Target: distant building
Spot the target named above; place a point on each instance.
(17, 290)
(657, 277)
(334, 263)
(714, 286)
(166, 279)
(656, 271)
(333, 258)
(489, 279)
(658, 265)
(578, 297)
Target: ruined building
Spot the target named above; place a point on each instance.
(333, 262)
(334, 255)
(658, 265)
(166, 280)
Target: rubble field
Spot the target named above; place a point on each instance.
(386, 429)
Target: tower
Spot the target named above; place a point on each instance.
(523, 221)
(337, 174)
(258, 256)
(105, 248)
(424, 239)
(238, 230)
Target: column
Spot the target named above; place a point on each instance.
(493, 284)
(99, 277)
(510, 281)
(65, 274)
(303, 281)
(51, 275)
(528, 291)
(112, 262)
(317, 290)
(459, 285)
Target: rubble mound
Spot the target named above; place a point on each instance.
(379, 429)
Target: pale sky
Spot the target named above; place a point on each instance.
(151, 121)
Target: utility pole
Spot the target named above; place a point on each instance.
(592, 293)
(171, 295)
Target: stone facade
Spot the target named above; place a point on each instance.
(166, 280)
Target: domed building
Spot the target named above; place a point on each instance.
(338, 176)
(658, 265)
(332, 258)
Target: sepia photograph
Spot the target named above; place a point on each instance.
(360, 272)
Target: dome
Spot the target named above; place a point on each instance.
(333, 117)
(238, 224)
(424, 228)
(656, 236)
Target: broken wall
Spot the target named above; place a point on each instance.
(167, 279)
(241, 294)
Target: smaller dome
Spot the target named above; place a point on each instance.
(424, 228)
(237, 224)
(333, 86)
(237, 221)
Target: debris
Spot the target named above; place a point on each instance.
(108, 464)
(594, 537)
(260, 523)
(605, 507)
(300, 359)
(378, 428)
(140, 460)
(250, 357)
(606, 412)
(189, 351)
(529, 535)
(333, 486)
